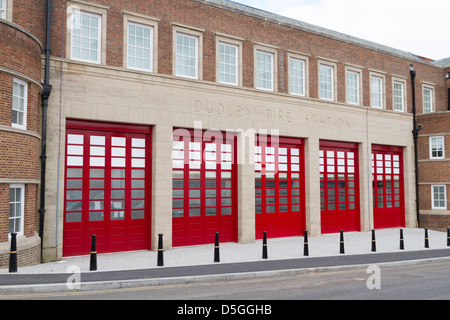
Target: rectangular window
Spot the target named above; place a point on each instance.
(376, 92)
(86, 36)
(427, 100)
(352, 87)
(16, 208)
(3, 9)
(264, 70)
(326, 82)
(186, 56)
(19, 104)
(439, 197)
(297, 76)
(437, 148)
(399, 96)
(228, 63)
(140, 51)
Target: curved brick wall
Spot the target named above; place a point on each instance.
(20, 58)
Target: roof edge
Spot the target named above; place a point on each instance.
(279, 19)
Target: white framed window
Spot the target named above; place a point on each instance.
(399, 96)
(86, 39)
(264, 70)
(326, 82)
(16, 208)
(428, 99)
(376, 92)
(3, 9)
(438, 197)
(19, 104)
(139, 47)
(437, 147)
(352, 86)
(228, 63)
(187, 55)
(297, 77)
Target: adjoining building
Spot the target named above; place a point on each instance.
(190, 117)
(433, 162)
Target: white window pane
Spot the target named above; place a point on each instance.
(297, 76)
(75, 150)
(228, 63)
(118, 141)
(118, 152)
(97, 161)
(74, 161)
(376, 91)
(97, 140)
(139, 143)
(352, 87)
(177, 154)
(75, 139)
(140, 50)
(186, 56)
(326, 82)
(140, 153)
(177, 164)
(97, 151)
(264, 70)
(117, 162)
(85, 36)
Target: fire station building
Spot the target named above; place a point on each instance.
(190, 117)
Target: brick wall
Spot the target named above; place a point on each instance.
(20, 52)
(435, 222)
(433, 171)
(26, 257)
(252, 29)
(20, 57)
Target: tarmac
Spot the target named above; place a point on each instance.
(285, 256)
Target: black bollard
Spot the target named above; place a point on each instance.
(216, 248)
(341, 242)
(448, 237)
(13, 254)
(402, 244)
(93, 262)
(264, 248)
(305, 245)
(427, 245)
(160, 261)
(374, 245)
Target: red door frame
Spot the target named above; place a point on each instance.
(204, 195)
(112, 236)
(339, 187)
(388, 187)
(277, 185)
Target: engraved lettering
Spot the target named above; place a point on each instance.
(219, 108)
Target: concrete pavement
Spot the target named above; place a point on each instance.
(237, 261)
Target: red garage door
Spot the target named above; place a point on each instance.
(204, 187)
(339, 188)
(388, 194)
(279, 187)
(107, 187)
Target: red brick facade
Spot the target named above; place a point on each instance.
(213, 20)
(433, 172)
(20, 58)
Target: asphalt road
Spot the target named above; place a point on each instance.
(413, 282)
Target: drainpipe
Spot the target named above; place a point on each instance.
(415, 133)
(47, 88)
